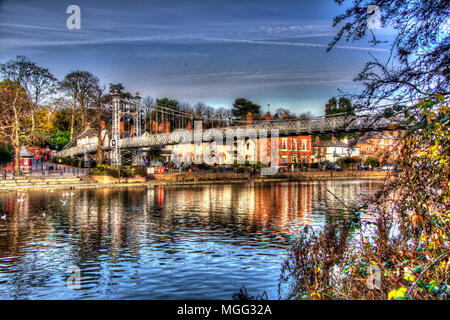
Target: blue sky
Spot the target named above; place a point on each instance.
(271, 52)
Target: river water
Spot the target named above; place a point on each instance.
(161, 242)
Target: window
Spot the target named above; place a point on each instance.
(294, 144)
(294, 158)
(303, 144)
(284, 160)
(303, 160)
(283, 144)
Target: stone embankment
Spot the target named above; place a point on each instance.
(99, 181)
(302, 176)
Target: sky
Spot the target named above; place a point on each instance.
(210, 51)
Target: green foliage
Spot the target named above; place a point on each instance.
(155, 154)
(347, 162)
(372, 162)
(241, 107)
(73, 162)
(343, 105)
(59, 138)
(409, 242)
(168, 103)
(113, 171)
(6, 154)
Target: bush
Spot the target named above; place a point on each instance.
(372, 162)
(113, 171)
(6, 154)
(346, 163)
(410, 241)
(73, 162)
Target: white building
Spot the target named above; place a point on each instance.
(333, 150)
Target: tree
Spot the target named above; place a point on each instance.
(155, 154)
(6, 154)
(371, 162)
(341, 106)
(100, 100)
(15, 117)
(408, 243)
(120, 89)
(168, 103)
(331, 106)
(241, 107)
(37, 82)
(58, 138)
(282, 113)
(305, 115)
(147, 107)
(418, 64)
(81, 87)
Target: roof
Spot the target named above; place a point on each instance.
(86, 133)
(25, 153)
(328, 143)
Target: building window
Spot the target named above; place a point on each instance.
(294, 144)
(303, 145)
(283, 144)
(303, 160)
(294, 158)
(284, 160)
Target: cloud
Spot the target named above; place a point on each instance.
(293, 44)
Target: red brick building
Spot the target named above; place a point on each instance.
(292, 149)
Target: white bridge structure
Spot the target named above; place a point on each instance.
(334, 124)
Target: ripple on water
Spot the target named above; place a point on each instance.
(202, 242)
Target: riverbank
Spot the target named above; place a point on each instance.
(183, 179)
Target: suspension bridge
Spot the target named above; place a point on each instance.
(334, 124)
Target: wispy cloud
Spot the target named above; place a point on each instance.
(292, 44)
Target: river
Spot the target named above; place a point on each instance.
(160, 242)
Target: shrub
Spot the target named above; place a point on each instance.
(372, 162)
(6, 154)
(113, 171)
(409, 242)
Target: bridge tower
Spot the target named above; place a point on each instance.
(137, 156)
(115, 129)
(137, 115)
(121, 107)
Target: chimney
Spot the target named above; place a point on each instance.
(166, 126)
(345, 140)
(333, 139)
(249, 119)
(317, 140)
(267, 117)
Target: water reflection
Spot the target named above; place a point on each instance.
(160, 242)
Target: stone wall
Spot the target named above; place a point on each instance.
(196, 177)
(310, 175)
